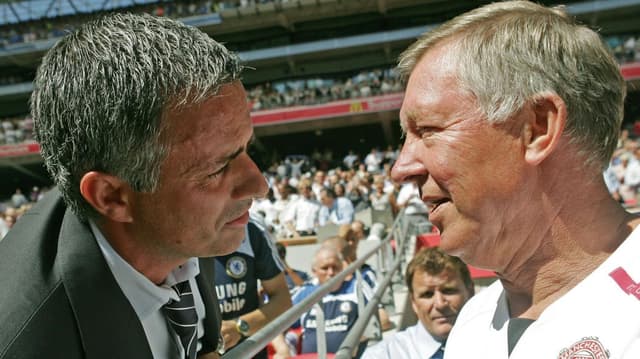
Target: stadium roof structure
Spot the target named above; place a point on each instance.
(13, 12)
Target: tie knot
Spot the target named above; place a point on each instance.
(182, 288)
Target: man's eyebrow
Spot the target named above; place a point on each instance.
(205, 166)
(233, 155)
(406, 120)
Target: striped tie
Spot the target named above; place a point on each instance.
(183, 318)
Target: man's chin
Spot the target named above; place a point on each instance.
(228, 242)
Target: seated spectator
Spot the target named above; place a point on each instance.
(357, 194)
(238, 277)
(263, 208)
(340, 306)
(18, 199)
(320, 176)
(359, 230)
(337, 210)
(346, 242)
(439, 285)
(339, 190)
(380, 199)
(282, 206)
(373, 160)
(350, 159)
(301, 218)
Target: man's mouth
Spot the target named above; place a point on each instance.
(243, 219)
(241, 216)
(433, 205)
(443, 319)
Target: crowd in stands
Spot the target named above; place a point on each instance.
(15, 78)
(623, 174)
(317, 90)
(626, 49)
(268, 96)
(308, 194)
(16, 206)
(53, 27)
(16, 130)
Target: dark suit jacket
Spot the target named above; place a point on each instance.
(58, 298)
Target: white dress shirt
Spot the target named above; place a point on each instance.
(412, 343)
(304, 213)
(147, 298)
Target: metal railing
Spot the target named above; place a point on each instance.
(400, 231)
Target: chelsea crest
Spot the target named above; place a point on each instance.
(236, 267)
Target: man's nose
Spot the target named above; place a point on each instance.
(440, 301)
(408, 165)
(254, 184)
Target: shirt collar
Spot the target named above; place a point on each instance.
(145, 296)
(428, 344)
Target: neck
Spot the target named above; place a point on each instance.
(577, 235)
(144, 256)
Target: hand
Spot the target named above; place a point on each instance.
(230, 334)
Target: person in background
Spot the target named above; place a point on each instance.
(359, 230)
(380, 199)
(336, 210)
(301, 217)
(439, 285)
(340, 306)
(346, 243)
(511, 113)
(241, 278)
(128, 112)
(18, 198)
(282, 206)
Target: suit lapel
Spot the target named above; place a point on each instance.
(108, 325)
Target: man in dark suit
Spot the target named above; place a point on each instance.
(144, 127)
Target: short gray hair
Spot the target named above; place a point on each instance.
(101, 92)
(509, 53)
(331, 249)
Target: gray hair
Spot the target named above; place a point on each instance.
(332, 251)
(510, 53)
(101, 93)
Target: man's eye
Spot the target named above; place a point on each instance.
(428, 294)
(217, 173)
(426, 131)
(450, 291)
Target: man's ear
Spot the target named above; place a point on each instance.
(108, 194)
(543, 130)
